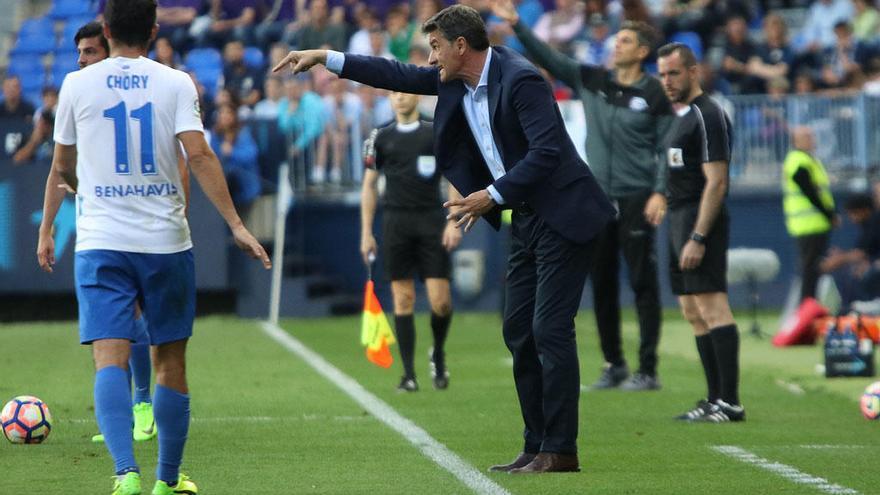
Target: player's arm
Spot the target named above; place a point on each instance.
(54, 196)
(184, 176)
(711, 202)
(369, 199)
(208, 172)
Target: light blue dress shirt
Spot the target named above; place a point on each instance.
(476, 111)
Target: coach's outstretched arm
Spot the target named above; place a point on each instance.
(377, 72)
(207, 170)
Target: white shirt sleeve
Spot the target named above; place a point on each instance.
(496, 196)
(335, 61)
(65, 123)
(188, 116)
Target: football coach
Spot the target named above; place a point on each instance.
(500, 140)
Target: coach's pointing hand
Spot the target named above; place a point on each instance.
(250, 245)
(301, 61)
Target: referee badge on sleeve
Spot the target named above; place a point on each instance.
(675, 157)
(427, 166)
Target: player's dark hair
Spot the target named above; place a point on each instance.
(858, 202)
(459, 21)
(646, 34)
(91, 30)
(131, 21)
(684, 51)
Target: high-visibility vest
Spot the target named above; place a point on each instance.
(801, 217)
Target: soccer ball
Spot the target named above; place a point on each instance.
(871, 401)
(26, 419)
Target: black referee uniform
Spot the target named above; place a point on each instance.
(701, 134)
(413, 220)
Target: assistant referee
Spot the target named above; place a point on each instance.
(698, 159)
(417, 237)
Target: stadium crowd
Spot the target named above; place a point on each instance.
(774, 47)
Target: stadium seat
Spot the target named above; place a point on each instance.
(692, 40)
(61, 67)
(208, 67)
(65, 9)
(35, 36)
(254, 58)
(26, 64)
(37, 26)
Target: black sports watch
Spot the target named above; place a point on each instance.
(698, 237)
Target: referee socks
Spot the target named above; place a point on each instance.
(440, 329)
(710, 366)
(725, 340)
(405, 328)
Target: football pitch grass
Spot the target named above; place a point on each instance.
(265, 422)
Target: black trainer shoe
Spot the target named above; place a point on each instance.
(702, 408)
(722, 412)
(408, 385)
(440, 379)
(641, 381)
(611, 377)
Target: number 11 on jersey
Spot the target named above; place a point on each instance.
(144, 115)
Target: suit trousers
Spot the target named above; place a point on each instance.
(545, 279)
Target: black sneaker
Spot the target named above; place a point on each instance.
(611, 377)
(641, 381)
(722, 412)
(702, 408)
(440, 379)
(408, 385)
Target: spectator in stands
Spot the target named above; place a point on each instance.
(277, 52)
(377, 111)
(343, 110)
(14, 106)
(559, 27)
(866, 23)
(301, 116)
(600, 45)
(244, 81)
(237, 151)
(279, 24)
(857, 271)
(636, 11)
(818, 30)
(360, 44)
(712, 84)
(379, 43)
(175, 17)
(165, 54)
(843, 62)
(500, 32)
(808, 206)
(44, 123)
(320, 32)
(400, 32)
(229, 19)
(738, 51)
(773, 57)
(267, 108)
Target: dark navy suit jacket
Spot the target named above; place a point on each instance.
(542, 166)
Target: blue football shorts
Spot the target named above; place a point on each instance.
(109, 282)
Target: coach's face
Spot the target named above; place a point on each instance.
(90, 50)
(677, 79)
(446, 55)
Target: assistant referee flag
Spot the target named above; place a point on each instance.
(376, 333)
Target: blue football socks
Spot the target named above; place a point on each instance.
(114, 415)
(171, 410)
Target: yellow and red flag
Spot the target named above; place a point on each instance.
(376, 333)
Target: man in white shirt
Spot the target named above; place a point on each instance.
(133, 241)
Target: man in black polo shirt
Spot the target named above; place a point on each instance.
(416, 234)
(698, 158)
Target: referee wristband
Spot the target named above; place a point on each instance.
(697, 237)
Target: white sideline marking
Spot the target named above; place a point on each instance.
(431, 448)
(791, 387)
(241, 419)
(784, 470)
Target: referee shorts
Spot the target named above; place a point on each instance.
(413, 244)
(711, 274)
